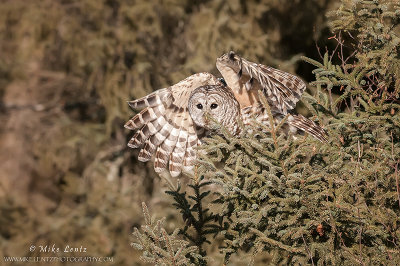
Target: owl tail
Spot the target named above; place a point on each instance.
(306, 125)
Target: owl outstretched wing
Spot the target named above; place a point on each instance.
(165, 128)
(245, 78)
(282, 91)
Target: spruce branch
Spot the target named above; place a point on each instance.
(195, 215)
(161, 248)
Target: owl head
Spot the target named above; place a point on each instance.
(214, 103)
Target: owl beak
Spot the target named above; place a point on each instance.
(206, 118)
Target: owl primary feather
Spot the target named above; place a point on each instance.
(175, 119)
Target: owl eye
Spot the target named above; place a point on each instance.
(199, 106)
(214, 105)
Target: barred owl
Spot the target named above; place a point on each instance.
(218, 102)
(175, 119)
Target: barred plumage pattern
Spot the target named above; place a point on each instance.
(295, 122)
(219, 107)
(167, 128)
(282, 90)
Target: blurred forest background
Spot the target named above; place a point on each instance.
(67, 68)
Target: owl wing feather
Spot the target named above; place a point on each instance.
(164, 127)
(283, 90)
(309, 126)
(295, 122)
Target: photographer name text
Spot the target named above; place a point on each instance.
(55, 249)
